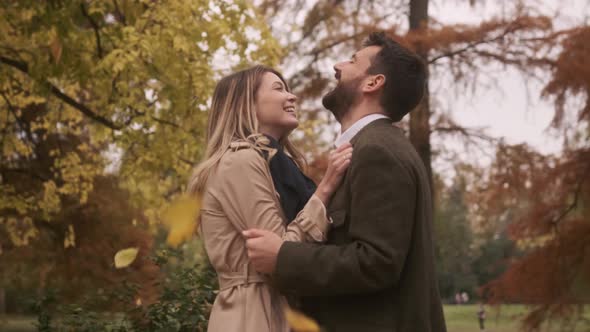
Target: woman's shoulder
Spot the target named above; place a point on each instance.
(241, 156)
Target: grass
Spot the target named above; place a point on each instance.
(463, 318)
(460, 318)
(506, 318)
(17, 324)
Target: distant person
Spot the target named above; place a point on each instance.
(465, 297)
(481, 316)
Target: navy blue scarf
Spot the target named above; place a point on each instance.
(292, 185)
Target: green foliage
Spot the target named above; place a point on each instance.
(187, 294)
(186, 298)
(454, 243)
(493, 259)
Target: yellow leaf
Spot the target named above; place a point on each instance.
(299, 322)
(181, 218)
(125, 257)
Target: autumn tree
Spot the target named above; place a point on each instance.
(92, 87)
(548, 196)
(103, 109)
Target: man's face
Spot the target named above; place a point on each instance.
(351, 75)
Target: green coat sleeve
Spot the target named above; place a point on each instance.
(383, 200)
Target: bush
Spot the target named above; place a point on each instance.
(184, 303)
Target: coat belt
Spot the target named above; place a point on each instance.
(238, 278)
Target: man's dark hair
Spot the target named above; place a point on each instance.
(405, 75)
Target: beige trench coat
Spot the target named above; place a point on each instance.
(239, 195)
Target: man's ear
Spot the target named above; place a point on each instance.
(374, 83)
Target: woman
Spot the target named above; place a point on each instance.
(251, 178)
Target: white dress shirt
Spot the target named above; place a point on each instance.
(351, 132)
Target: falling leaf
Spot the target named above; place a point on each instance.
(181, 218)
(125, 257)
(299, 322)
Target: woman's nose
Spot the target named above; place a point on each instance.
(292, 98)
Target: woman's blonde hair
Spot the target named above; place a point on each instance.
(232, 118)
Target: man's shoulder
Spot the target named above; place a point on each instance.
(390, 140)
(383, 134)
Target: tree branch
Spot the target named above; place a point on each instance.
(574, 204)
(318, 50)
(23, 67)
(120, 14)
(83, 109)
(166, 122)
(20, 65)
(96, 29)
(186, 161)
(464, 131)
(25, 171)
(471, 45)
(19, 122)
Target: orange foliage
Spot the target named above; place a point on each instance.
(547, 199)
(571, 73)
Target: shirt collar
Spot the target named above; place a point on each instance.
(351, 132)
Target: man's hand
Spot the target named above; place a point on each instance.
(263, 247)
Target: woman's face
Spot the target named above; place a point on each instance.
(275, 107)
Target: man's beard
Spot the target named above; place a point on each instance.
(340, 100)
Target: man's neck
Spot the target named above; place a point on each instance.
(358, 112)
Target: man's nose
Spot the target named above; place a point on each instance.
(338, 68)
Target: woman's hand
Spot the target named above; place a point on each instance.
(337, 165)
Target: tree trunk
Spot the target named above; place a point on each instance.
(2, 301)
(420, 116)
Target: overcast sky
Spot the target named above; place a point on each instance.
(514, 111)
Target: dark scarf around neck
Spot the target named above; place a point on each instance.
(292, 185)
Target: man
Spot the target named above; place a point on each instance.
(376, 271)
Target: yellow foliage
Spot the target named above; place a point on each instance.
(131, 103)
(50, 202)
(125, 257)
(70, 237)
(299, 322)
(181, 218)
(20, 230)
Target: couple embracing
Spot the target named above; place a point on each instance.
(355, 252)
